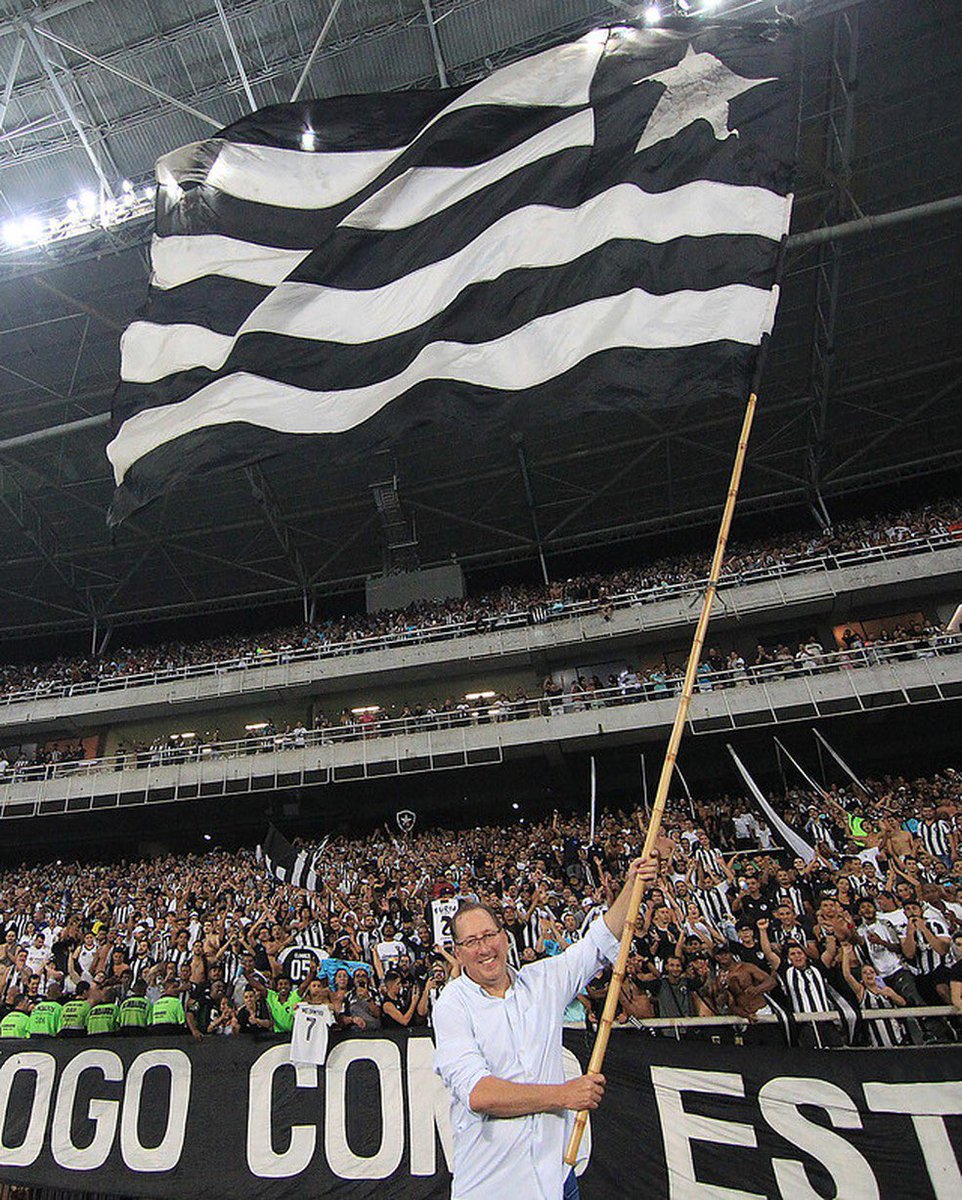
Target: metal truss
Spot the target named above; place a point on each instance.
(264, 495)
(31, 522)
(841, 206)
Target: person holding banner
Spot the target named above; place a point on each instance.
(499, 1053)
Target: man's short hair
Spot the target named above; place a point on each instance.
(466, 908)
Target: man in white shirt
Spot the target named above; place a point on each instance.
(499, 1052)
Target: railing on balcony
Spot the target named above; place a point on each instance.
(491, 711)
(540, 614)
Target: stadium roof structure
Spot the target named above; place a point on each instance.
(861, 385)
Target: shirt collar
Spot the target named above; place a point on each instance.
(513, 977)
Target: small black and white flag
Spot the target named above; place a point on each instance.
(594, 227)
(288, 865)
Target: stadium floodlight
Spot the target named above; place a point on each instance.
(652, 14)
(206, 837)
(308, 140)
(87, 203)
(516, 806)
(84, 213)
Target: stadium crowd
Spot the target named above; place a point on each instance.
(533, 602)
(578, 693)
(737, 926)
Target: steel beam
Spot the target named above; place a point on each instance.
(435, 44)
(32, 524)
(11, 79)
(30, 34)
(873, 224)
(532, 509)
(235, 52)
(264, 495)
(37, 15)
(319, 42)
(923, 406)
(837, 166)
(128, 78)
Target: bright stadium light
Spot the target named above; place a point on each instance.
(76, 216)
(33, 229)
(308, 140)
(652, 14)
(87, 203)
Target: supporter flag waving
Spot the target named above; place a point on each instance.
(296, 867)
(596, 226)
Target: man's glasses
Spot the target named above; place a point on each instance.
(481, 942)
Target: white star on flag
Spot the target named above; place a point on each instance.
(698, 89)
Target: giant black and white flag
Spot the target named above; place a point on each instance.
(288, 865)
(594, 227)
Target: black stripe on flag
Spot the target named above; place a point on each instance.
(603, 218)
(287, 864)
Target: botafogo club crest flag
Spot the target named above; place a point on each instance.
(596, 226)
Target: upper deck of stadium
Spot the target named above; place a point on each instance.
(859, 389)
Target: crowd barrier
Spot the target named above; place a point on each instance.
(678, 1025)
(543, 612)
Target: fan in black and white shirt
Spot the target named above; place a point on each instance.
(804, 983)
(925, 943)
(936, 835)
(311, 935)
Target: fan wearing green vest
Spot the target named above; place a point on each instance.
(74, 1014)
(45, 1017)
(281, 1001)
(102, 1018)
(135, 1011)
(169, 1016)
(16, 1024)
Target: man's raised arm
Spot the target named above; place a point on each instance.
(647, 868)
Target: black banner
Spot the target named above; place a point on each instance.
(689, 1120)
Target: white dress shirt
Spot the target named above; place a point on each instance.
(517, 1039)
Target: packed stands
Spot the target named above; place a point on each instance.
(921, 530)
(735, 922)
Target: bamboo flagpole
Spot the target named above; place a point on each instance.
(664, 780)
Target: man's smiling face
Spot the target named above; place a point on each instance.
(482, 949)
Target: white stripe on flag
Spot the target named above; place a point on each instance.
(524, 358)
(795, 840)
(532, 237)
(560, 77)
(424, 192)
(295, 178)
(180, 259)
